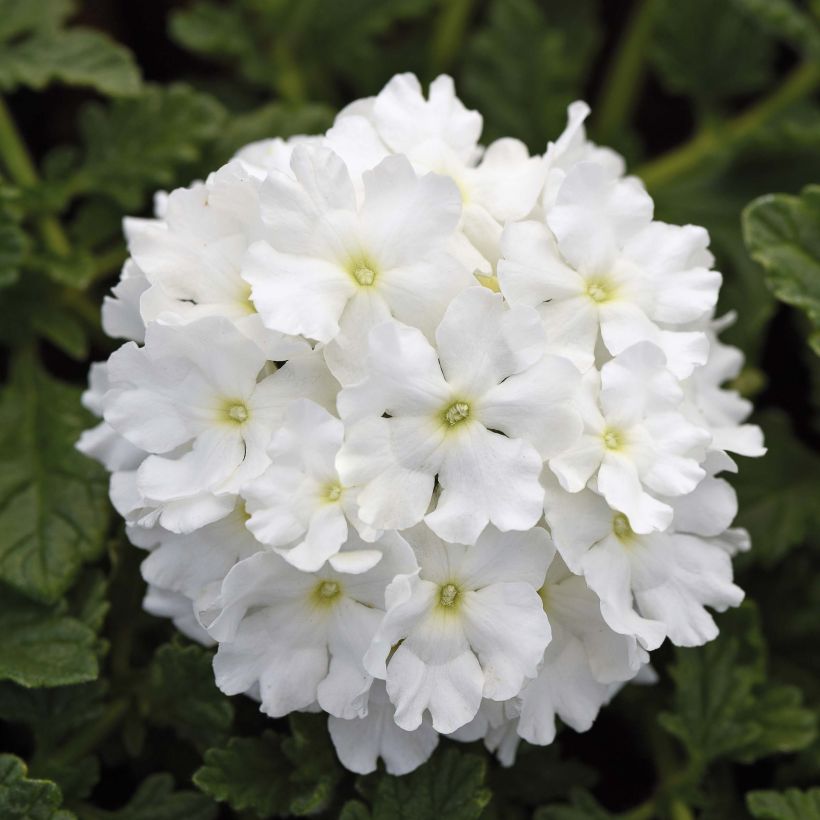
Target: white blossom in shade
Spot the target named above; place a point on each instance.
(121, 317)
(572, 147)
(636, 444)
(302, 635)
(103, 443)
(600, 267)
(453, 620)
(653, 585)
(361, 742)
(195, 564)
(720, 410)
(495, 724)
(299, 505)
(582, 661)
(264, 156)
(198, 398)
(332, 267)
(479, 412)
(498, 184)
(164, 603)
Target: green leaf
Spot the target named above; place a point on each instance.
(785, 20)
(316, 770)
(42, 646)
(156, 799)
(527, 97)
(74, 56)
(12, 247)
(181, 694)
(583, 806)
(450, 784)
(778, 493)
(710, 50)
(724, 707)
(133, 146)
(791, 804)
(34, 15)
(53, 501)
(248, 774)
(25, 799)
(782, 233)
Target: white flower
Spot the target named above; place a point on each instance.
(479, 413)
(635, 443)
(653, 585)
(454, 619)
(496, 724)
(198, 399)
(164, 603)
(601, 266)
(121, 317)
(360, 742)
(581, 663)
(331, 268)
(299, 505)
(301, 636)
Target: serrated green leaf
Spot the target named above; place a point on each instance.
(33, 15)
(527, 97)
(53, 501)
(156, 799)
(450, 784)
(725, 708)
(778, 493)
(41, 646)
(583, 806)
(12, 246)
(133, 146)
(248, 774)
(73, 56)
(25, 799)
(182, 695)
(791, 804)
(784, 19)
(782, 233)
(710, 50)
(316, 770)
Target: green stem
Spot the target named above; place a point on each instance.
(622, 81)
(449, 33)
(90, 737)
(676, 163)
(21, 169)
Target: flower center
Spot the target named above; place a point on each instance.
(621, 528)
(448, 595)
(599, 291)
(237, 412)
(364, 276)
(612, 439)
(333, 492)
(457, 412)
(327, 592)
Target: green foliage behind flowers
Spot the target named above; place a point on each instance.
(104, 714)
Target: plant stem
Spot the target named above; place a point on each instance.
(22, 170)
(449, 32)
(623, 77)
(679, 161)
(91, 736)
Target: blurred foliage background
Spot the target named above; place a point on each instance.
(104, 711)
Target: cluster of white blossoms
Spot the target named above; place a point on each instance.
(423, 434)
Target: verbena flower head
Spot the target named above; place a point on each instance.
(424, 435)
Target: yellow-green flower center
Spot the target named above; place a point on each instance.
(612, 439)
(621, 527)
(448, 595)
(457, 412)
(599, 290)
(326, 592)
(237, 412)
(333, 492)
(364, 276)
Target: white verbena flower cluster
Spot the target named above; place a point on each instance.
(423, 434)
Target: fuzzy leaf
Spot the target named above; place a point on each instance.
(73, 56)
(782, 233)
(34, 15)
(182, 695)
(791, 804)
(53, 500)
(25, 799)
(784, 19)
(41, 646)
(710, 51)
(450, 784)
(156, 799)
